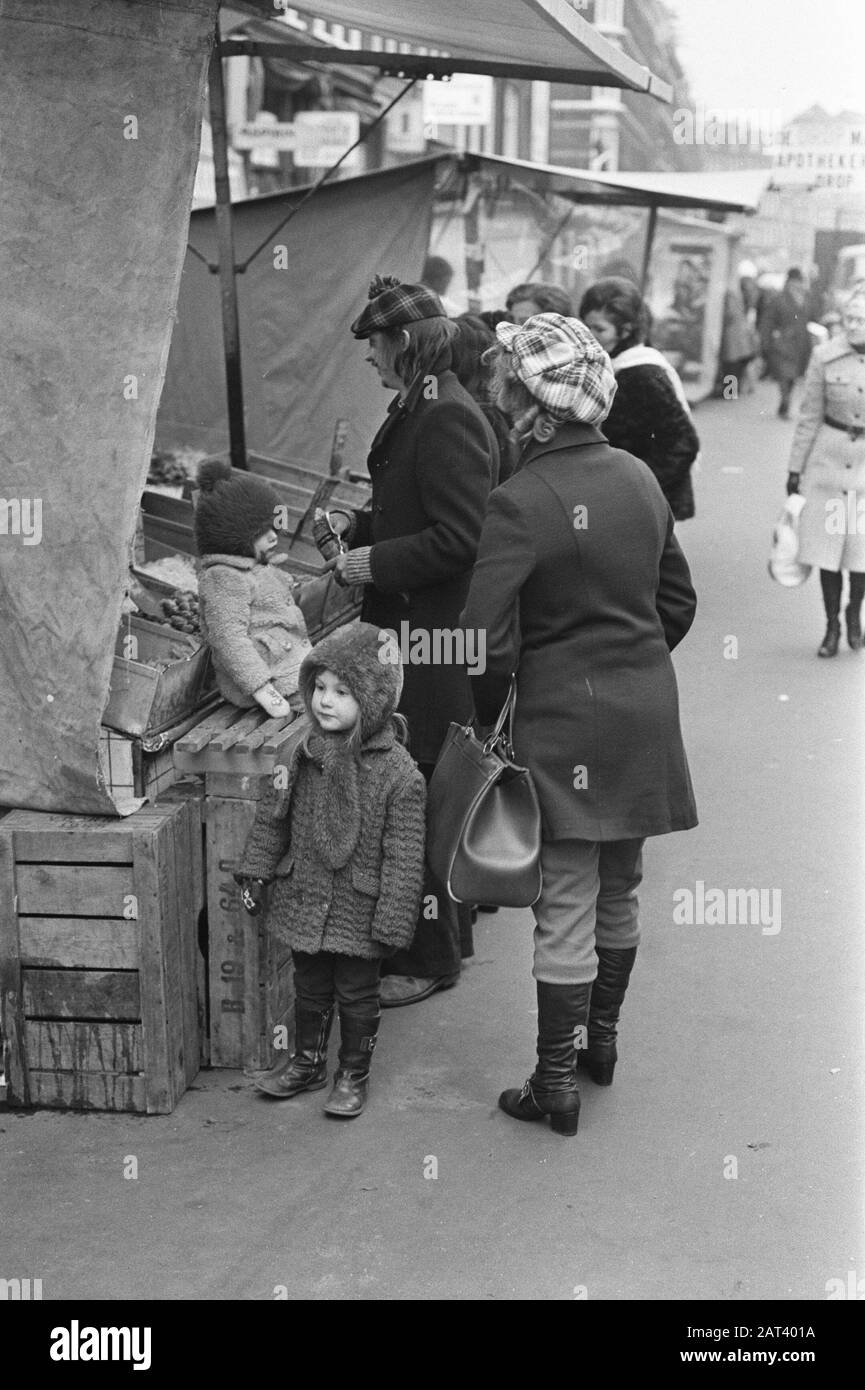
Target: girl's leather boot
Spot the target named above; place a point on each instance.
(358, 1033)
(306, 1068)
(608, 993)
(552, 1089)
(854, 627)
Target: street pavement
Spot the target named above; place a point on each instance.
(724, 1162)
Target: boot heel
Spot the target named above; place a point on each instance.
(565, 1122)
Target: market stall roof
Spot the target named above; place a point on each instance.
(539, 39)
(716, 192)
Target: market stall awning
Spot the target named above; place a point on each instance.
(716, 192)
(723, 192)
(539, 39)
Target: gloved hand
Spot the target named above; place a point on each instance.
(251, 893)
(792, 483)
(271, 701)
(328, 528)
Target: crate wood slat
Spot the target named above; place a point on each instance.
(65, 1090)
(82, 994)
(97, 943)
(84, 1047)
(227, 738)
(193, 880)
(11, 1002)
(201, 735)
(90, 890)
(235, 1006)
(67, 846)
(187, 871)
(152, 947)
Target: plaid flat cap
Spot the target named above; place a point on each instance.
(392, 305)
(563, 366)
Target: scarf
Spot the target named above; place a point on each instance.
(337, 802)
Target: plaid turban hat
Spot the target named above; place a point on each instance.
(392, 305)
(563, 366)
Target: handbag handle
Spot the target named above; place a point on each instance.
(499, 735)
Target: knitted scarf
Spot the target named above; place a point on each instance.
(337, 810)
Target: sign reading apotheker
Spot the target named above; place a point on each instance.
(820, 157)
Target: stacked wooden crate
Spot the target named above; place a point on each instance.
(250, 983)
(98, 957)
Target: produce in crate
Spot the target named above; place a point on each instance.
(182, 612)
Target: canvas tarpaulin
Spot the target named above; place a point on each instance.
(100, 109)
(302, 370)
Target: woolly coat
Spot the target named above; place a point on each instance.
(831, 464)
(369, 908)
(431, 466)
(252, 624)
(585, 607)
(648, 420)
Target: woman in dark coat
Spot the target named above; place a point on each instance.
(582, 590)
(650, 416)
(431, 465)
(786, 341)
(472, 340)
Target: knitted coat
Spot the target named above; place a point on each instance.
(370, 907)
(252, 624)
(368, 818)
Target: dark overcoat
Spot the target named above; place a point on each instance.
(647, 419)
(585, 606)
(431, 466)
(786, 341)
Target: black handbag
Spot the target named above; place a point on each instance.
(483, 818)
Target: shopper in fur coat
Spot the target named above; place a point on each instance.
(255, 630)
(340, 833)
(650, 416)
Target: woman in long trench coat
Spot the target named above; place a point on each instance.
(582, 590)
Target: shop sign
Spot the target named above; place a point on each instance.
(322, 137)
(273, 134)
(464, 100)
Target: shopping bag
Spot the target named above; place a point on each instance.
(784, 565)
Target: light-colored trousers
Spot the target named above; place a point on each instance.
(589, 898)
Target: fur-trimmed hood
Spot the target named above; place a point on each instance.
(232, 511)
(362, 656)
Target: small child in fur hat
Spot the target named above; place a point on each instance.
(249, 618)
(340, 832)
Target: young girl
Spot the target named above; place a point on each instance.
(249, 618)
(340, 831)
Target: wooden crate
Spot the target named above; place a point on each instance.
(251, 985)
(98, 927)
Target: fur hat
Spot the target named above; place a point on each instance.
(232, 511)
(366, 658)
(392, 305)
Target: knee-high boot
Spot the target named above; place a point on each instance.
(306, 1068)
(608, 993)
(358, 1033)
(854, 609)
(552, 1089)
(830, 583)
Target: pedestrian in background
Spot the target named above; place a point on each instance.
(785, 338)
(431, 465)
(473, 339)
(526, 300)
(583, 591)
(827, 464)
(343, 842)
(650, 416)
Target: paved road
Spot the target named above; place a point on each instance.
(741, 1046)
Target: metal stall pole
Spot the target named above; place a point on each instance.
(647, 250)
(227, 279)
